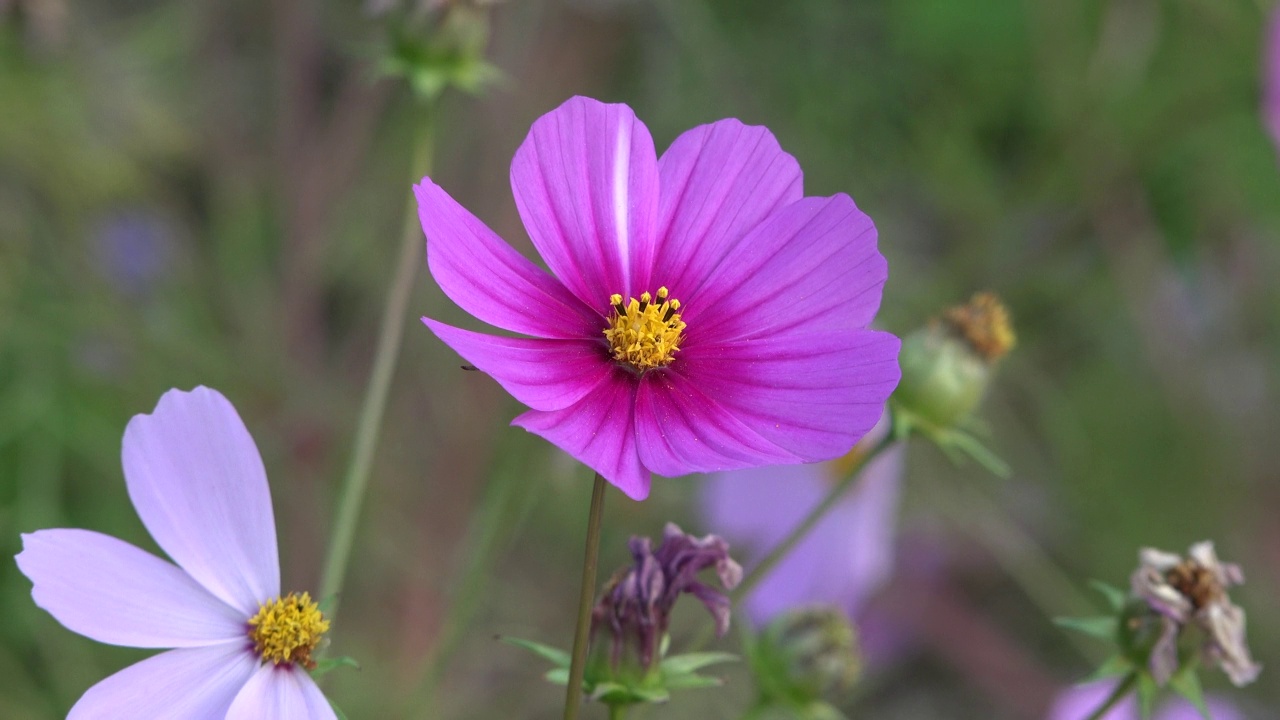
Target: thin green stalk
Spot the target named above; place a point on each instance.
(1115, 697)
(617, 712)
(577, 665)
(356, 481)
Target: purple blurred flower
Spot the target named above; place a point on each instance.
(845, 558)
(1194, 592)
(1271, 78)
(636, 604)
(701, 314)
(196, 479)
(133, 250)
(1077, 703)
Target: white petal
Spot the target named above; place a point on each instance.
(183, 684)
(197, 482)
(280, 692)
(113, 592)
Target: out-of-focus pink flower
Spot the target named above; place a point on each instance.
(196, 479)
(701, 313)
(849, 553)
(1080, 701)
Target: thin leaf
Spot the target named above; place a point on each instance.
(692, 662)
(328, 664)
(558, 657)
(1114, 666)
(1187, 684)
(1104, 627)
(1116, 597)
(1147, 692)
(557, 676)
(691, 681)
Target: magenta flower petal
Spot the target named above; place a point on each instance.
(680, 430)
(599, 432)
(280, 693)
(197, 482)
(718, 182)
(814, 394)
(818, 253)
(113, 592)
(543, 374)
(586, 185)
(187, 683)
(486, 277)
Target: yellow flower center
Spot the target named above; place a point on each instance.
(288, 629)
(645, 333)
(984, 323)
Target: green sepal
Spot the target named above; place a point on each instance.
(1186, 682)
(329, 664)
(1114, 666)
(1115, 597)
(1104, 627)
(692, 681)
(554, 655)
(1147, 692)
(689, 663)
(958, 445)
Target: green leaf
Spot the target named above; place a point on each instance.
(1104, 627)
(1114, 666)
(1116, 597)
(691, 681)
(691, 662)
(557, 676)
(558, 657)
(328, 664)
(1147, 692)
(1187, 684)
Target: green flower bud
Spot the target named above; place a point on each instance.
(947, 365)
(805, 655)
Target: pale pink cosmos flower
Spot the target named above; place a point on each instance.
(701, 313)
(241, 650)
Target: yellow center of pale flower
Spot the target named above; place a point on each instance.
(645, 333)
(288, 629)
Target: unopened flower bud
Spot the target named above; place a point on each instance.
(947, 365)
(806, 655)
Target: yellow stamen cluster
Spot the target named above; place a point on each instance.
(984, 323)
(288, 629)
(645, 333)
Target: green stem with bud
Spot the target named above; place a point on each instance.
(578, 661)
(1115, 697)
(356, 481)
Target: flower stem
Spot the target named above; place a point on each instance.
(1115, 697)
(798, 533)
(617, 712)
(390, 333)
(577, 665)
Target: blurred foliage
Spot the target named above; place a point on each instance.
(210, 193)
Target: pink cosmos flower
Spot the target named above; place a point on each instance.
(196, 479)
(1271, 78)
(847, 556)
(701, 314)
(1079, 702)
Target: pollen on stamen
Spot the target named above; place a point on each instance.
(645, 333)
(288, 629)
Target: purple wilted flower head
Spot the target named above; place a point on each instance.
(637, 601)
(242, 649)
(1271, 78)
(701, 313)
(845, 558)
(1193, 593)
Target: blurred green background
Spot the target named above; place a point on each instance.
(212, 192)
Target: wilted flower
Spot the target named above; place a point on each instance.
(947, 365)
(701, 314)
(198, 484)
(1193, 593)
(635, 609)
(847, 556)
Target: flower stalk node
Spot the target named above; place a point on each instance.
(645, 333)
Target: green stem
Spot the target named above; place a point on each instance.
(617, 712)
(782, 549)
(1115, 697)
(356, 481)
(577, 665)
